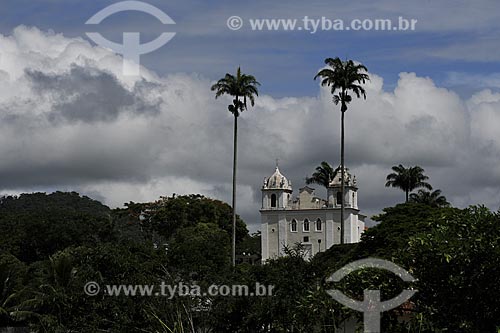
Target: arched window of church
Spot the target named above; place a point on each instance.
(293, 225)
(306, 225)
(339, 198)
(273, 200)
(318, 225)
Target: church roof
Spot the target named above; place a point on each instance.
(349, 180)
(277, 181)
(306, 188)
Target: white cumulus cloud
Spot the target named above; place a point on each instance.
(70, 120)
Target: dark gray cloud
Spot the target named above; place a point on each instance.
(89, 95)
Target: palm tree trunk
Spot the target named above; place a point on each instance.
(235, 148)
(342, 203)
(407, 193)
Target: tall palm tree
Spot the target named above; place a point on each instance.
(434, 198)
(323, 175)
(343, 77)
(240, 86)
(407, 179)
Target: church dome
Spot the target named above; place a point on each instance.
(277, 181)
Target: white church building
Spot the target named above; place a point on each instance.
(306, 219)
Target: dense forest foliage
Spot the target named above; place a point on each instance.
(52, 245)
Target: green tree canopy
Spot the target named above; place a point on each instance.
(169, 214)
(343, 77)
(35, 226)
(433, 198)
(457, 263)
(407, 179)
(239, 86)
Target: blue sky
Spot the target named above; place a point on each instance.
(70, 120)
(450, 37)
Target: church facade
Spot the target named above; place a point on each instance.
(307, 219)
